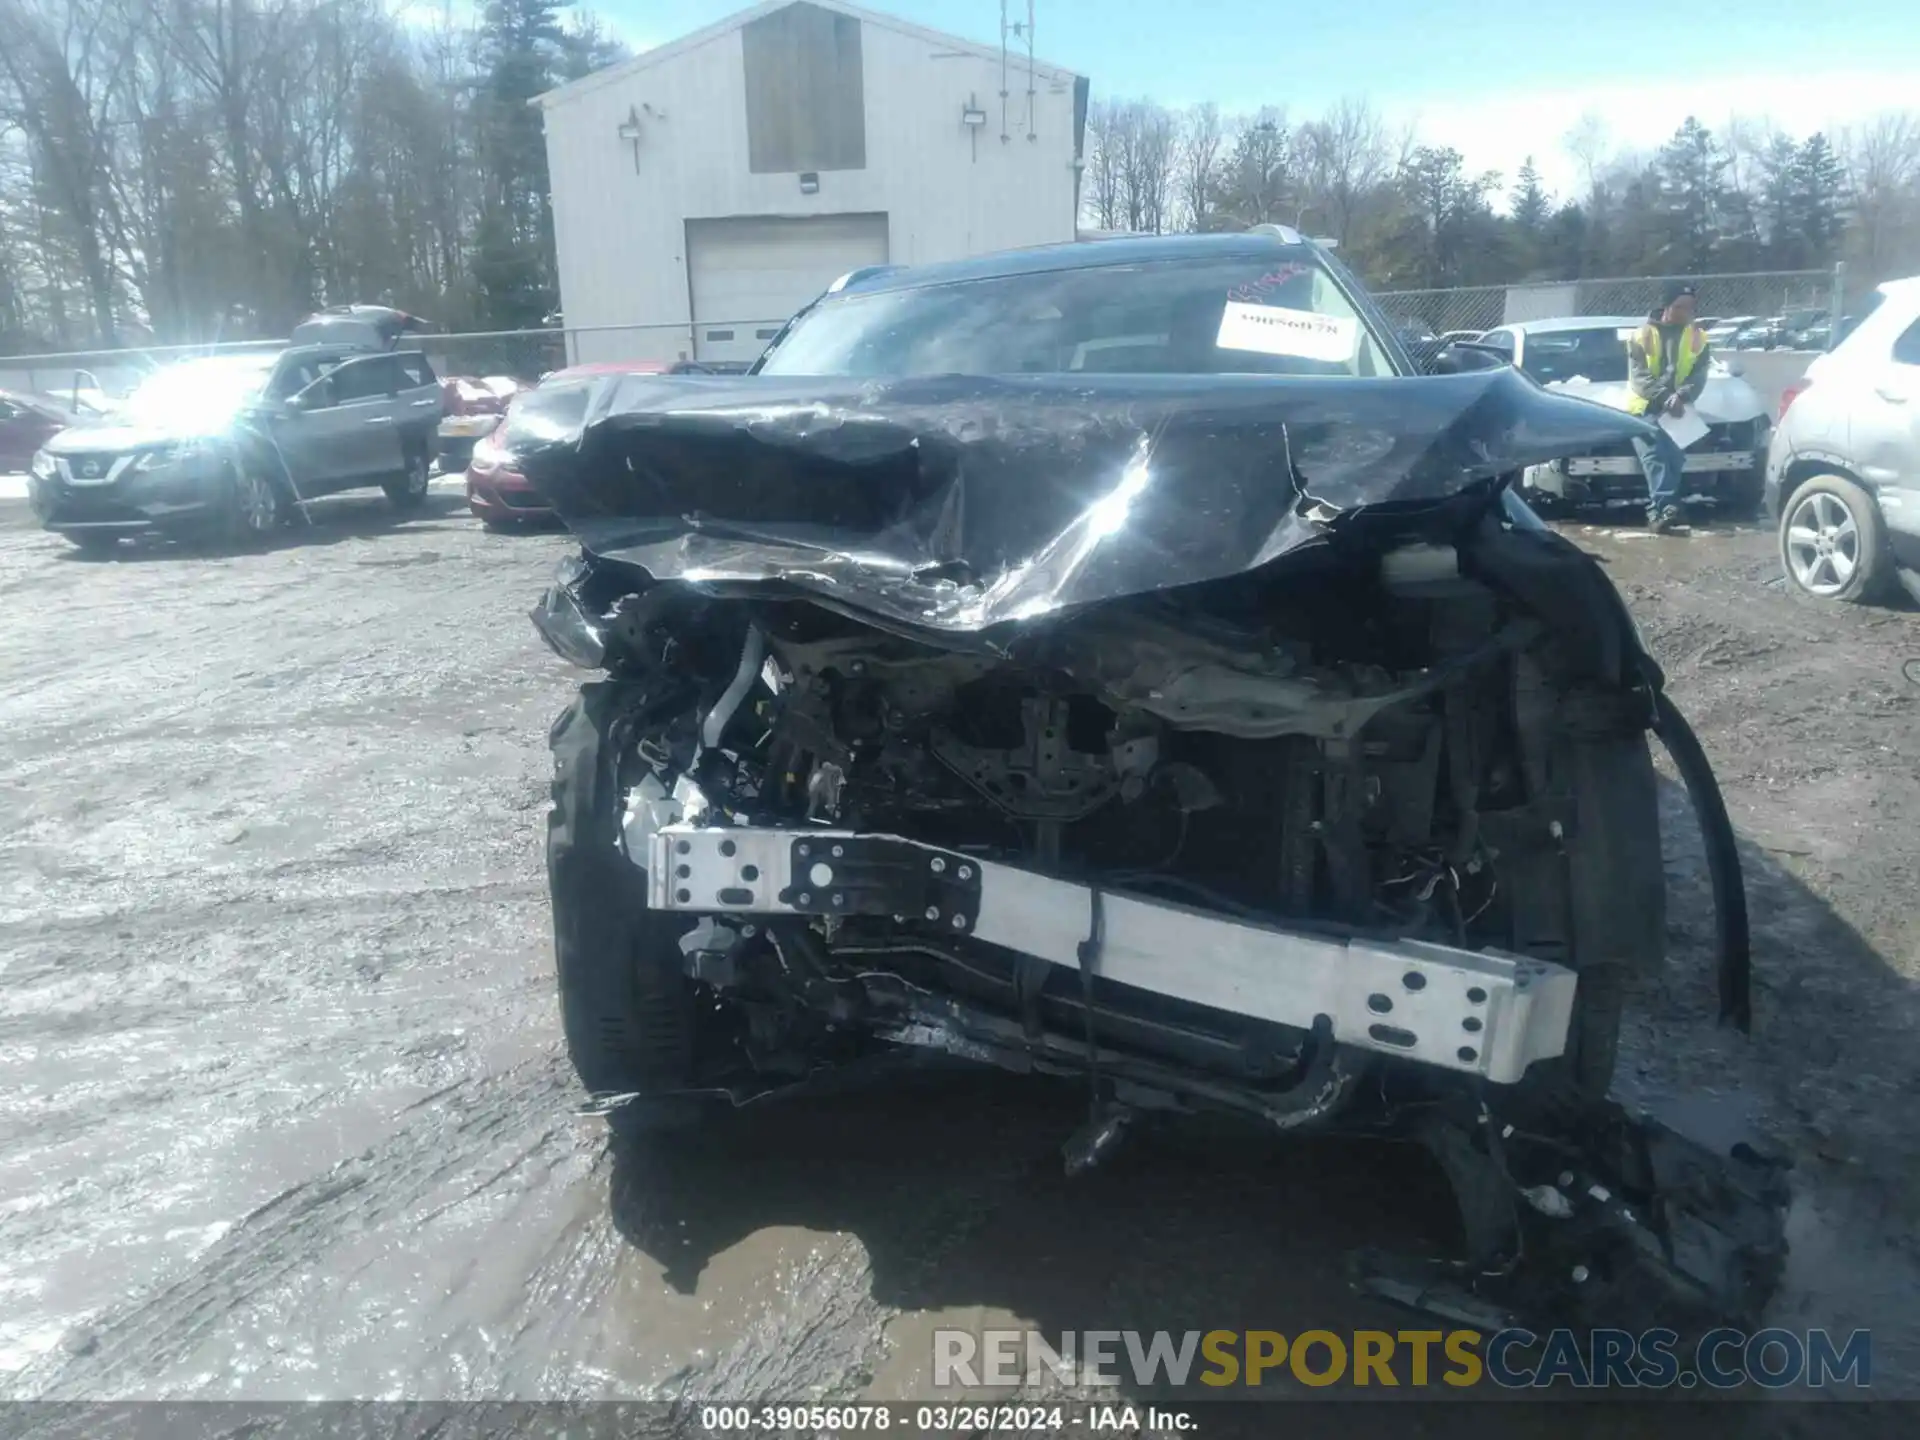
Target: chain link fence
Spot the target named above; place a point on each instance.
(92, 377)
(1785, 309)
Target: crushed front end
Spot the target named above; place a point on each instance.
(1228, 750)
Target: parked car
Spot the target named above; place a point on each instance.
(1759, 335)
(711, 367)
(1722, 332)
(1843, 471)
(27, 422)
(1798, 329)
(496, 490)
(470, 408)
(1587, 356)
(228, 445)
(1117, 660)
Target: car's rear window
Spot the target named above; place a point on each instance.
(1599, 355)
(1279, 316)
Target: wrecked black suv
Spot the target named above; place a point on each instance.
(1115, 660)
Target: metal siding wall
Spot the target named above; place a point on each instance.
(621, 236)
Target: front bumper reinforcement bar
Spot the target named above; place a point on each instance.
(1483, 1013)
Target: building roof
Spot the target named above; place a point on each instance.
(647, 59)
(1077, 255)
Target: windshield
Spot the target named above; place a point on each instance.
(1284, 315)
(196, 395)
(1599, 355)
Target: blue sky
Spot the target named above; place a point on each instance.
(1497, 79)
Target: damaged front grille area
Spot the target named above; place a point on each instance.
(1479, 1013)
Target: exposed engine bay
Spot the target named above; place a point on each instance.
(1365, 837)
(1336, 777)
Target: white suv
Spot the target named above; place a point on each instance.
(1843, 471)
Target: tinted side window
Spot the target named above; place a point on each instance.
(290, 379)
(8, 412)
(1906, 350)
(416, 373)
(1501, 340)
(371, 379)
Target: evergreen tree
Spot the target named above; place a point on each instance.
(588, 46)
(1258, 179)
(1819, 183)
(1692, 199)
(1449, 236)
(1529, 209)
(1778, 220)
(1529, 201)
(523, 48)
(1564, 243)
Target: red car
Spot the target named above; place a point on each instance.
(26, 423)
(470, 408)
(496, 491)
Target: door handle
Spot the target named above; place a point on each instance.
(380, 420)
(1892, 397)
(422, 404)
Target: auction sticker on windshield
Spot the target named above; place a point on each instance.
(1272, 330)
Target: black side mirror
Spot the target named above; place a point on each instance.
(1457, 357)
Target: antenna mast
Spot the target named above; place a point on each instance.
(1003, 71)
(1030, 83)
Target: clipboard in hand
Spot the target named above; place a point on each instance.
(1685, 428)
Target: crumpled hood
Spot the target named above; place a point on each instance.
(956, 503)
(1726, 398)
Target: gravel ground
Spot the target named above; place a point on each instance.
(282, 1108)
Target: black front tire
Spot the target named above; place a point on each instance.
(626, 1004)
(255, 506)
(1742, 502)
(94, 544)
(409, 490)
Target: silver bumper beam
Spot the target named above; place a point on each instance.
(1481, 1013)
(1703, 461)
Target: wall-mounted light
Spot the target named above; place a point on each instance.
(810, 183)
(973, 116)
(630, 131)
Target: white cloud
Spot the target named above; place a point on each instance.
(1499, 131)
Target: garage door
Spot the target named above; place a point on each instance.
(749, 275)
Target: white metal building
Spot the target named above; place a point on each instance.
(711, 187)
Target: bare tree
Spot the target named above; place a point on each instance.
(1105, 122)
(1258, 179)
(1150, 175)
(1348, 155)
(1198, 179)
(1883, 166)
(64, 64)
(1590, 145)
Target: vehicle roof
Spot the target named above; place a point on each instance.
(262, 358)
(27, 400)
(611, 367)
(1080, 255)
(1575, 322)
(344, 351)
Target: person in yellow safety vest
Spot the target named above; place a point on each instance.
(1666, 371)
